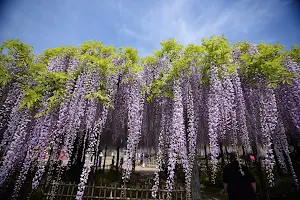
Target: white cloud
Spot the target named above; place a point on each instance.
(188, 21)
(133, 34)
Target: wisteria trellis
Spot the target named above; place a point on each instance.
(225, 109)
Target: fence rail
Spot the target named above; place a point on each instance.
(67, 191)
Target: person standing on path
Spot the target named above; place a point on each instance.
(239, 183)
(113, 162)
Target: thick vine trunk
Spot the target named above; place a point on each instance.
(264, 190)
(195, 182)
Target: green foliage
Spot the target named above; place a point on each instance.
(14, 52)
(170, 48)
(101, 96)
(267, 63)
(213, 51)
(295, 53)
(91, 47)
(93, 54)
(32, 96)
(132, 60)
(5, 77)
(242, 46)
(52, 82)
(173, 52)
(17, 51)
(97, 56)
(149, 60)
(50, 53)
(33, 77)
(36, 81)
(155, 89)
(216, 52)
(194, 54)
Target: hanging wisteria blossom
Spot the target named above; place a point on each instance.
(61, 108)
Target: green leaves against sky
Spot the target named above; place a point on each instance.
(215, 51)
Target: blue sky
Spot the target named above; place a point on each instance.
(143, 24)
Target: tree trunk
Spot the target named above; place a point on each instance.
(133, 164)
(118, 157)
(207, 167)
(104, 157)
(222, 155)
(195, 182)
(295, 157)
(227, 155)
(265, 192)
(264, 189)
(277, 170)
(244, 155)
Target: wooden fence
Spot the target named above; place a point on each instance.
(68, 192)
(150, 162)
(106, 167)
